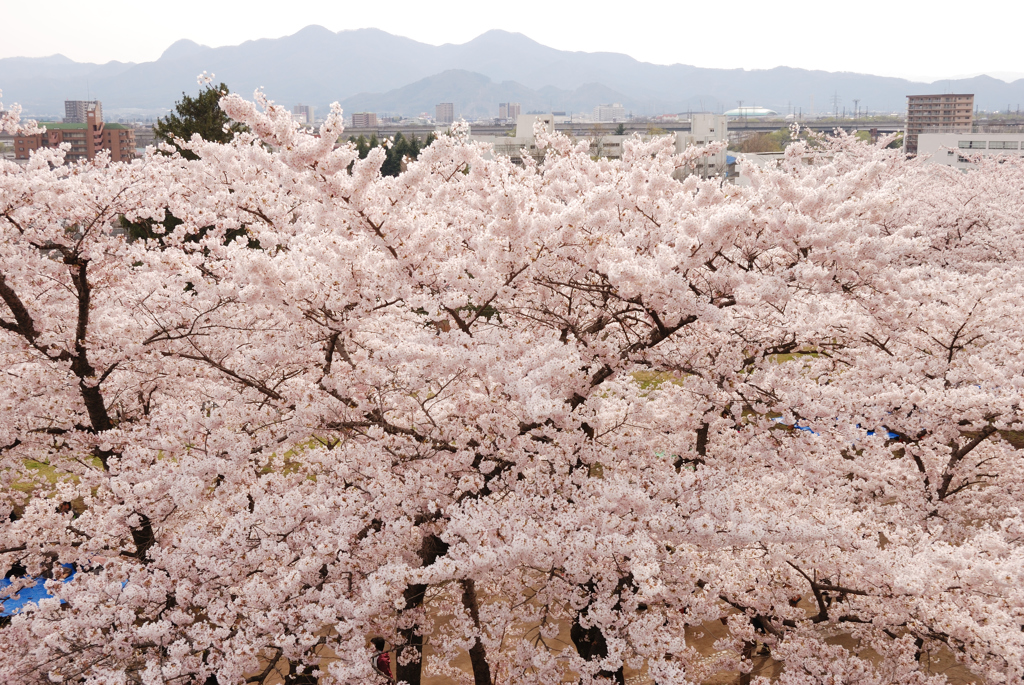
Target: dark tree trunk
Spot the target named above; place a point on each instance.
(590, 642)
(477, 653)
(591, 645)
(412, 640)
(304, 678)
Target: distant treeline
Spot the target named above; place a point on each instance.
(400, 147)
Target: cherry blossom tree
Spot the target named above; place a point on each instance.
(560, 417)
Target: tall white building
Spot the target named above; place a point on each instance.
(613, 112)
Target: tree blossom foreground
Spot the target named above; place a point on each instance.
(558, 417)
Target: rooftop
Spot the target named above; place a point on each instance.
(61, 126)
(751, 112)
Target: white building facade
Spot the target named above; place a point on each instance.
(704, 130)
(613, 112)
(957, 149)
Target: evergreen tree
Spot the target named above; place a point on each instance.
(202, 115)
(392, 165)
(399, 149)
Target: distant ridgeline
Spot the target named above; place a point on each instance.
(408, 77)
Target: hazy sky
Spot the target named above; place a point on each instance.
(915, 39)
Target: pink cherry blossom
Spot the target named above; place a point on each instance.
(562, 417)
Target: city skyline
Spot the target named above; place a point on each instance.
(750, 37)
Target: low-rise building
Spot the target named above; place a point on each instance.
(524, 141)
(705, 129)
(959, 149)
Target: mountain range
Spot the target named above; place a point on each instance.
(372, 70)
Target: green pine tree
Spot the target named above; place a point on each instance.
(400, 149)
(202, 115)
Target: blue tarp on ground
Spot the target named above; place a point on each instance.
(27, 595)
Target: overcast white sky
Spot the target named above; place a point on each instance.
(914, 39)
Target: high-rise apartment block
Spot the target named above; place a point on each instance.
(444, 113)
(613, 112)
(952, 113)
(75, 111)
(86, 138)
(303, 114)
(509, 110)
(364, 120)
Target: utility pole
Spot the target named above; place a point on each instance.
(856, 102)
(835, 105)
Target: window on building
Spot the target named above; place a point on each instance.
(1002, 145)
(971, 145)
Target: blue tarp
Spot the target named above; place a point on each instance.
(27, 595)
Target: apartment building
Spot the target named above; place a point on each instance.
(444, 113)
(86, 139)
(509, 110)
(303, 114)
(364, 120)
(75, 111)
(952, 113)
(120, 141)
